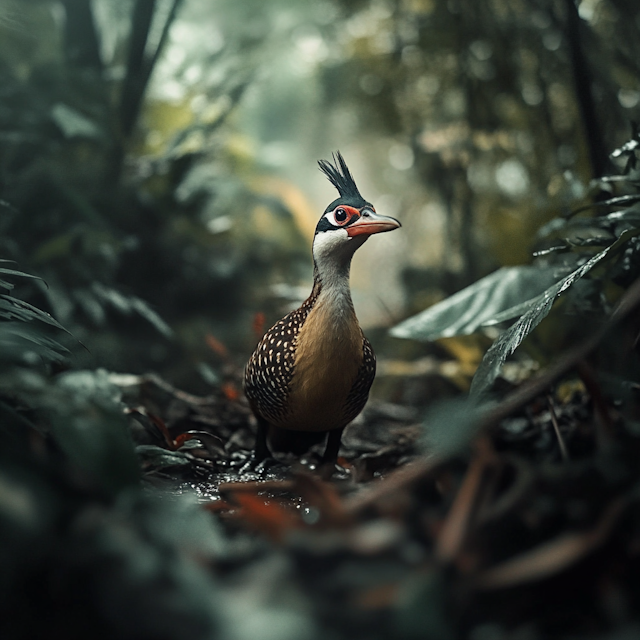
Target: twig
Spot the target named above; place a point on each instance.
(456, 526)
(556, 428)
(396, 481)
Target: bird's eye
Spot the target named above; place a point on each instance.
(342, 216)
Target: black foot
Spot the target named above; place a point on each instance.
(258, 464)
(333, 447)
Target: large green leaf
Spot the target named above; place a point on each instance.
(538, 309)
(466, 311)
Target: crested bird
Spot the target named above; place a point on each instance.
(312, 371)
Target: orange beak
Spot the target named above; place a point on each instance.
(369, 223)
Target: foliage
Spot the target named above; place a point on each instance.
(124, 563)
(17, 339)
(490, 104)
(513, 293)
(128, 234)
(471, 308)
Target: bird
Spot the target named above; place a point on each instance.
(312, 371)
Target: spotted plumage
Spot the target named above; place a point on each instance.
(270, 369)
(360, 390)
(313, 369)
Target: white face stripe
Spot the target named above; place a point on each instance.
(328, 242)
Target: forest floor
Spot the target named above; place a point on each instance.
(530, 530)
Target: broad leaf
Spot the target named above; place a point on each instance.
(478, 305)
(539, 308)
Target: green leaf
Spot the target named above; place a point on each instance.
(72, 123)
(13, 309)
(539, 308)
(12, 272)
(132, 304)
(466, 311)
(144, 310)
(86, 419)
(630, 215)
(22, 343)
(89, 425)
(154, 457)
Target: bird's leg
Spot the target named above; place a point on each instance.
(261, 456)
(329, 462)
(261, 451)
(333, 446)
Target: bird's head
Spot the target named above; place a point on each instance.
(347, 222)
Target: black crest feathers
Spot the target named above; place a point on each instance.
(340, 176)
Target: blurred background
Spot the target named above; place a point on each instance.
(158, 157)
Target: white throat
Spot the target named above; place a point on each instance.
(332, 253)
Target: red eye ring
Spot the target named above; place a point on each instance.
(343, 215)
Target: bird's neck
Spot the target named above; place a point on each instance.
(332, 256)
(331, 288)
(331, 282)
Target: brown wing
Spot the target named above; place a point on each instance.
(269, 371)
(359, 393)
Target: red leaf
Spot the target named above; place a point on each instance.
(269, 518)
(216, 346)
(230, 391)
